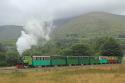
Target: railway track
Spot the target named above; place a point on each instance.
(59, 68)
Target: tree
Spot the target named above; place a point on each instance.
(2, 55)
(2, 48)
(76, 50)
(65, 52)
(80, 50)
(12, 58)
(2, 59)
(110, 47)
(96, 43)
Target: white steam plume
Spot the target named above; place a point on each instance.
(34, 31)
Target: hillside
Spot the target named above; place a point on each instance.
(10, 32)
(85, 26)
(92, 25)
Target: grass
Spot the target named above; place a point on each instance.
(80, 74)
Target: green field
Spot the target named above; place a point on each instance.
(79, 74)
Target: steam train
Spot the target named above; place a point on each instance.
(41, 61)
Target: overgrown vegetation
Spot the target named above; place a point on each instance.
(76, 50)
(8, 55)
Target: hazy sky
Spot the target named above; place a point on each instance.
(21, 11)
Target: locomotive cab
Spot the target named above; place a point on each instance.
(20, 64)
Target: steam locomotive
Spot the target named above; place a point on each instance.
(41, 61)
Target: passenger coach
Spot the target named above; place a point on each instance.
(36, 61)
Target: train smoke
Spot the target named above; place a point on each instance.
(34, 31)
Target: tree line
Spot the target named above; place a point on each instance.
(104, 46)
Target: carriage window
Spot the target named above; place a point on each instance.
(54, 57)
(86, 57)
(63, 57)
(41, 58)
(60, 57)
(34, 58)
(72, 57)
(37, 58)
(46, 58)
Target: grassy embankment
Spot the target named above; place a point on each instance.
(93, 74)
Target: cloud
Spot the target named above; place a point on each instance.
(20, 11)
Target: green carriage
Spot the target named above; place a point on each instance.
(103, 60)
(93, 59)
(72, 60)
(35, 61)
(84, 60)
(40, 61)
(58, 60)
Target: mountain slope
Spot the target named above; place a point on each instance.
(10, 32)
(92, 25)
(85, 26)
